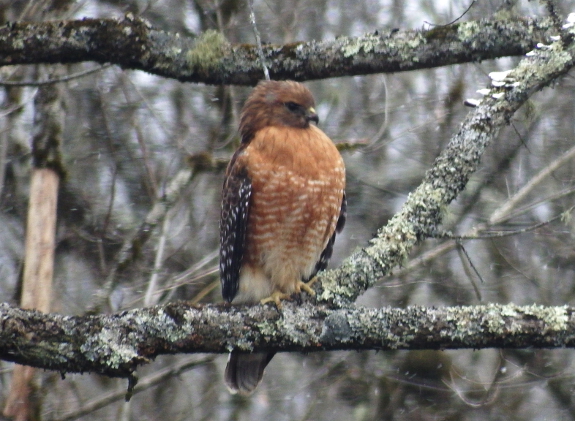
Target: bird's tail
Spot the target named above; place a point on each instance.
(245, 371)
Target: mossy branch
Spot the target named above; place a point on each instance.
(133, 43)
(116, 345)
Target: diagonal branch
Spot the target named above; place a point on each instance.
(133, 43)
(422, 213)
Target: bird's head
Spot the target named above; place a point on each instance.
(277, 103)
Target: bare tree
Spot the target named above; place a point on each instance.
(114, 235)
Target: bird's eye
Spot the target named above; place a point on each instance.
(292, 106)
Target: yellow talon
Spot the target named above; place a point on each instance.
(275, 297)
(306, 286)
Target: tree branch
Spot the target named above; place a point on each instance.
(133, 44)
(422, 212)
(116, 345)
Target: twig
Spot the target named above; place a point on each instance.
(56, 80)
(151, 293)
(454, 20)
(500, 214)
(144, 384)
(133, 244)
(501, 234)
(467, 267)
(258, 40)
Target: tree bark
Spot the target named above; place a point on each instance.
(40, 234)
(133, 43)
(115, 345)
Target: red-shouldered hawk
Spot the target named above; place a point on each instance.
(283, 202)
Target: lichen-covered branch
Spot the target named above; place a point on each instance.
(422, 213)
(116, 345)
(134, 44)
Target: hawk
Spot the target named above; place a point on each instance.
(283, 201)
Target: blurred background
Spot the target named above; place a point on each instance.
(128, 134)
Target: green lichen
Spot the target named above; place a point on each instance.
(18, 44)
(467, 30)
(416, 41)
(267, 329)
(367, 43)
(208, 49)
(556, 318)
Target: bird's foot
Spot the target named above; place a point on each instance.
(276, 297)
(306, 286)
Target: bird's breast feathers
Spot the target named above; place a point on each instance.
(306, 152)
(298, 179)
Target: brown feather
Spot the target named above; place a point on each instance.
(283, 200)
(266, 107)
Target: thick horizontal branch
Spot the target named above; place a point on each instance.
(132, 43)
(116, 345)
(422, 213)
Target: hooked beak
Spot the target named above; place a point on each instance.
(312, 115)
